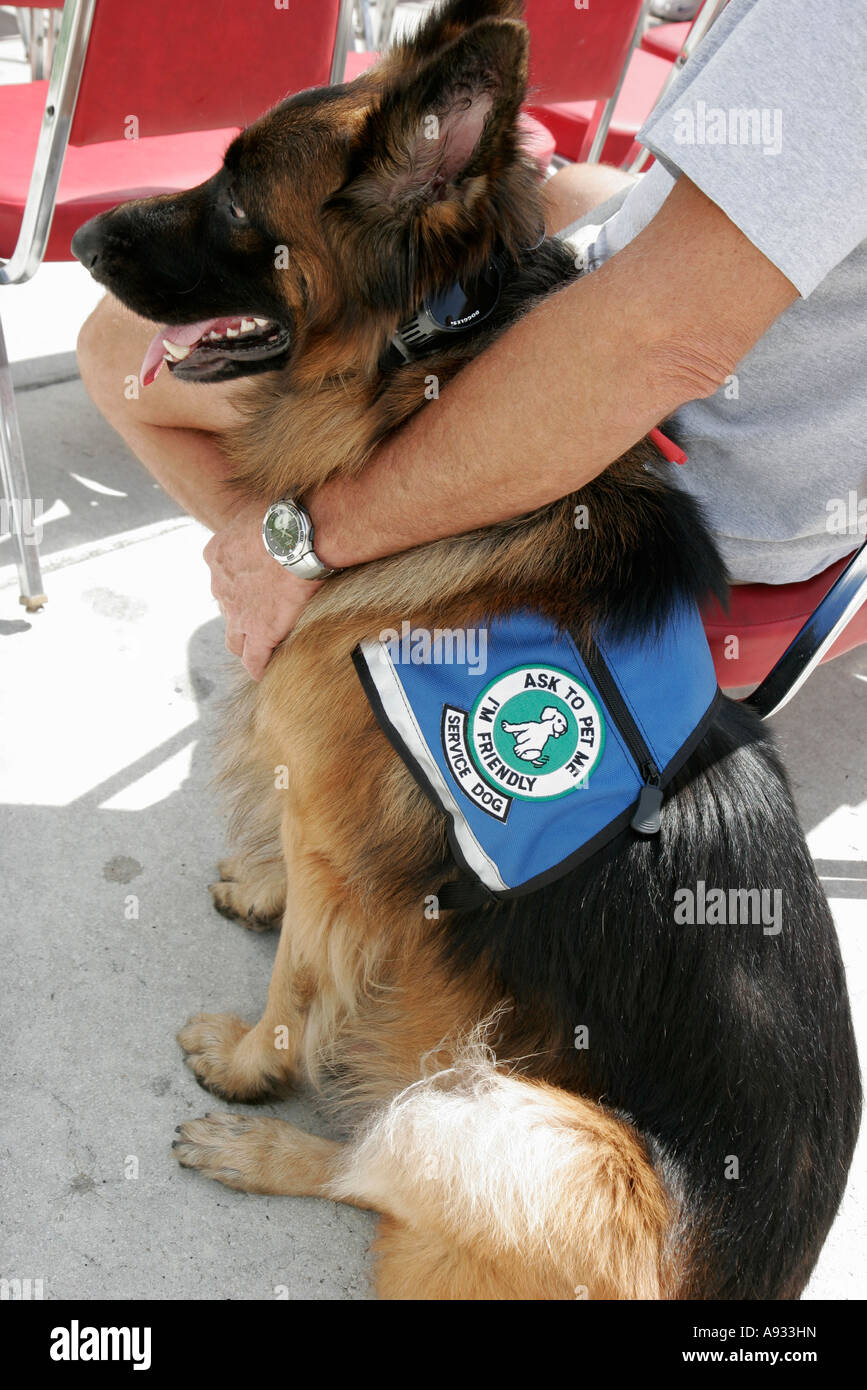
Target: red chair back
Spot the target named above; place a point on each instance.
(578, 54)
(198, 64)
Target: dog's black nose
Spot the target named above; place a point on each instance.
(87, 243)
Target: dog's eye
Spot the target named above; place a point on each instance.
(236, 210)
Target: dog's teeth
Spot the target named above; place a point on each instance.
(248, 325)
(262, 323)
(177, 351)
(232, 332)
(214, 336)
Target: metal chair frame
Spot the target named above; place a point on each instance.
(38, 26)
(815, 638)
(597, 144)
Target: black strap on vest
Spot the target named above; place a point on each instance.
(462, 894)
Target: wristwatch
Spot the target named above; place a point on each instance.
(288, 535)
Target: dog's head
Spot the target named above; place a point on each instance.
(338, 211)
(557, 718)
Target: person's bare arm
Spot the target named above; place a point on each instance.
(550, 405)
(572, 386)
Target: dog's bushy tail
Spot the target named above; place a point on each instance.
(495, 1186)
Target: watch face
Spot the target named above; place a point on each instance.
(284, 530)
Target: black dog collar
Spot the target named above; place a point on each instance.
(453, 311)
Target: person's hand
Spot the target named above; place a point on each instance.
(260, 601)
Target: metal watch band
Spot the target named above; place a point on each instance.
(308, 566)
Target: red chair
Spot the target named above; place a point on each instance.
(648, 71)
(579, 61)
(666, 40)
(574, 124)
(141, 100)
(766, 619)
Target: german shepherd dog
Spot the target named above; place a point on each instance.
(504, 1162)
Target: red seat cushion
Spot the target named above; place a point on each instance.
(666, 40)
(765, 618)
(568, 121)
(95, 177)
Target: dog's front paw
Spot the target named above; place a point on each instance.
(226, 1148)
(256, 905)
(224, 1058)
(253, 1153)
(230, 901)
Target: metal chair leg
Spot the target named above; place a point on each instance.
(365, 18)
(20, 504)
(386, 22)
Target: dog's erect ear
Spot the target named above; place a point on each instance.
(429, 169)
(443, 123)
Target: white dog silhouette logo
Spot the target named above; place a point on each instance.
(531, 737)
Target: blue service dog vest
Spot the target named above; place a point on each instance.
(555, 748)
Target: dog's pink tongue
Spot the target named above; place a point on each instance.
(153, 359)
(184, 336)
